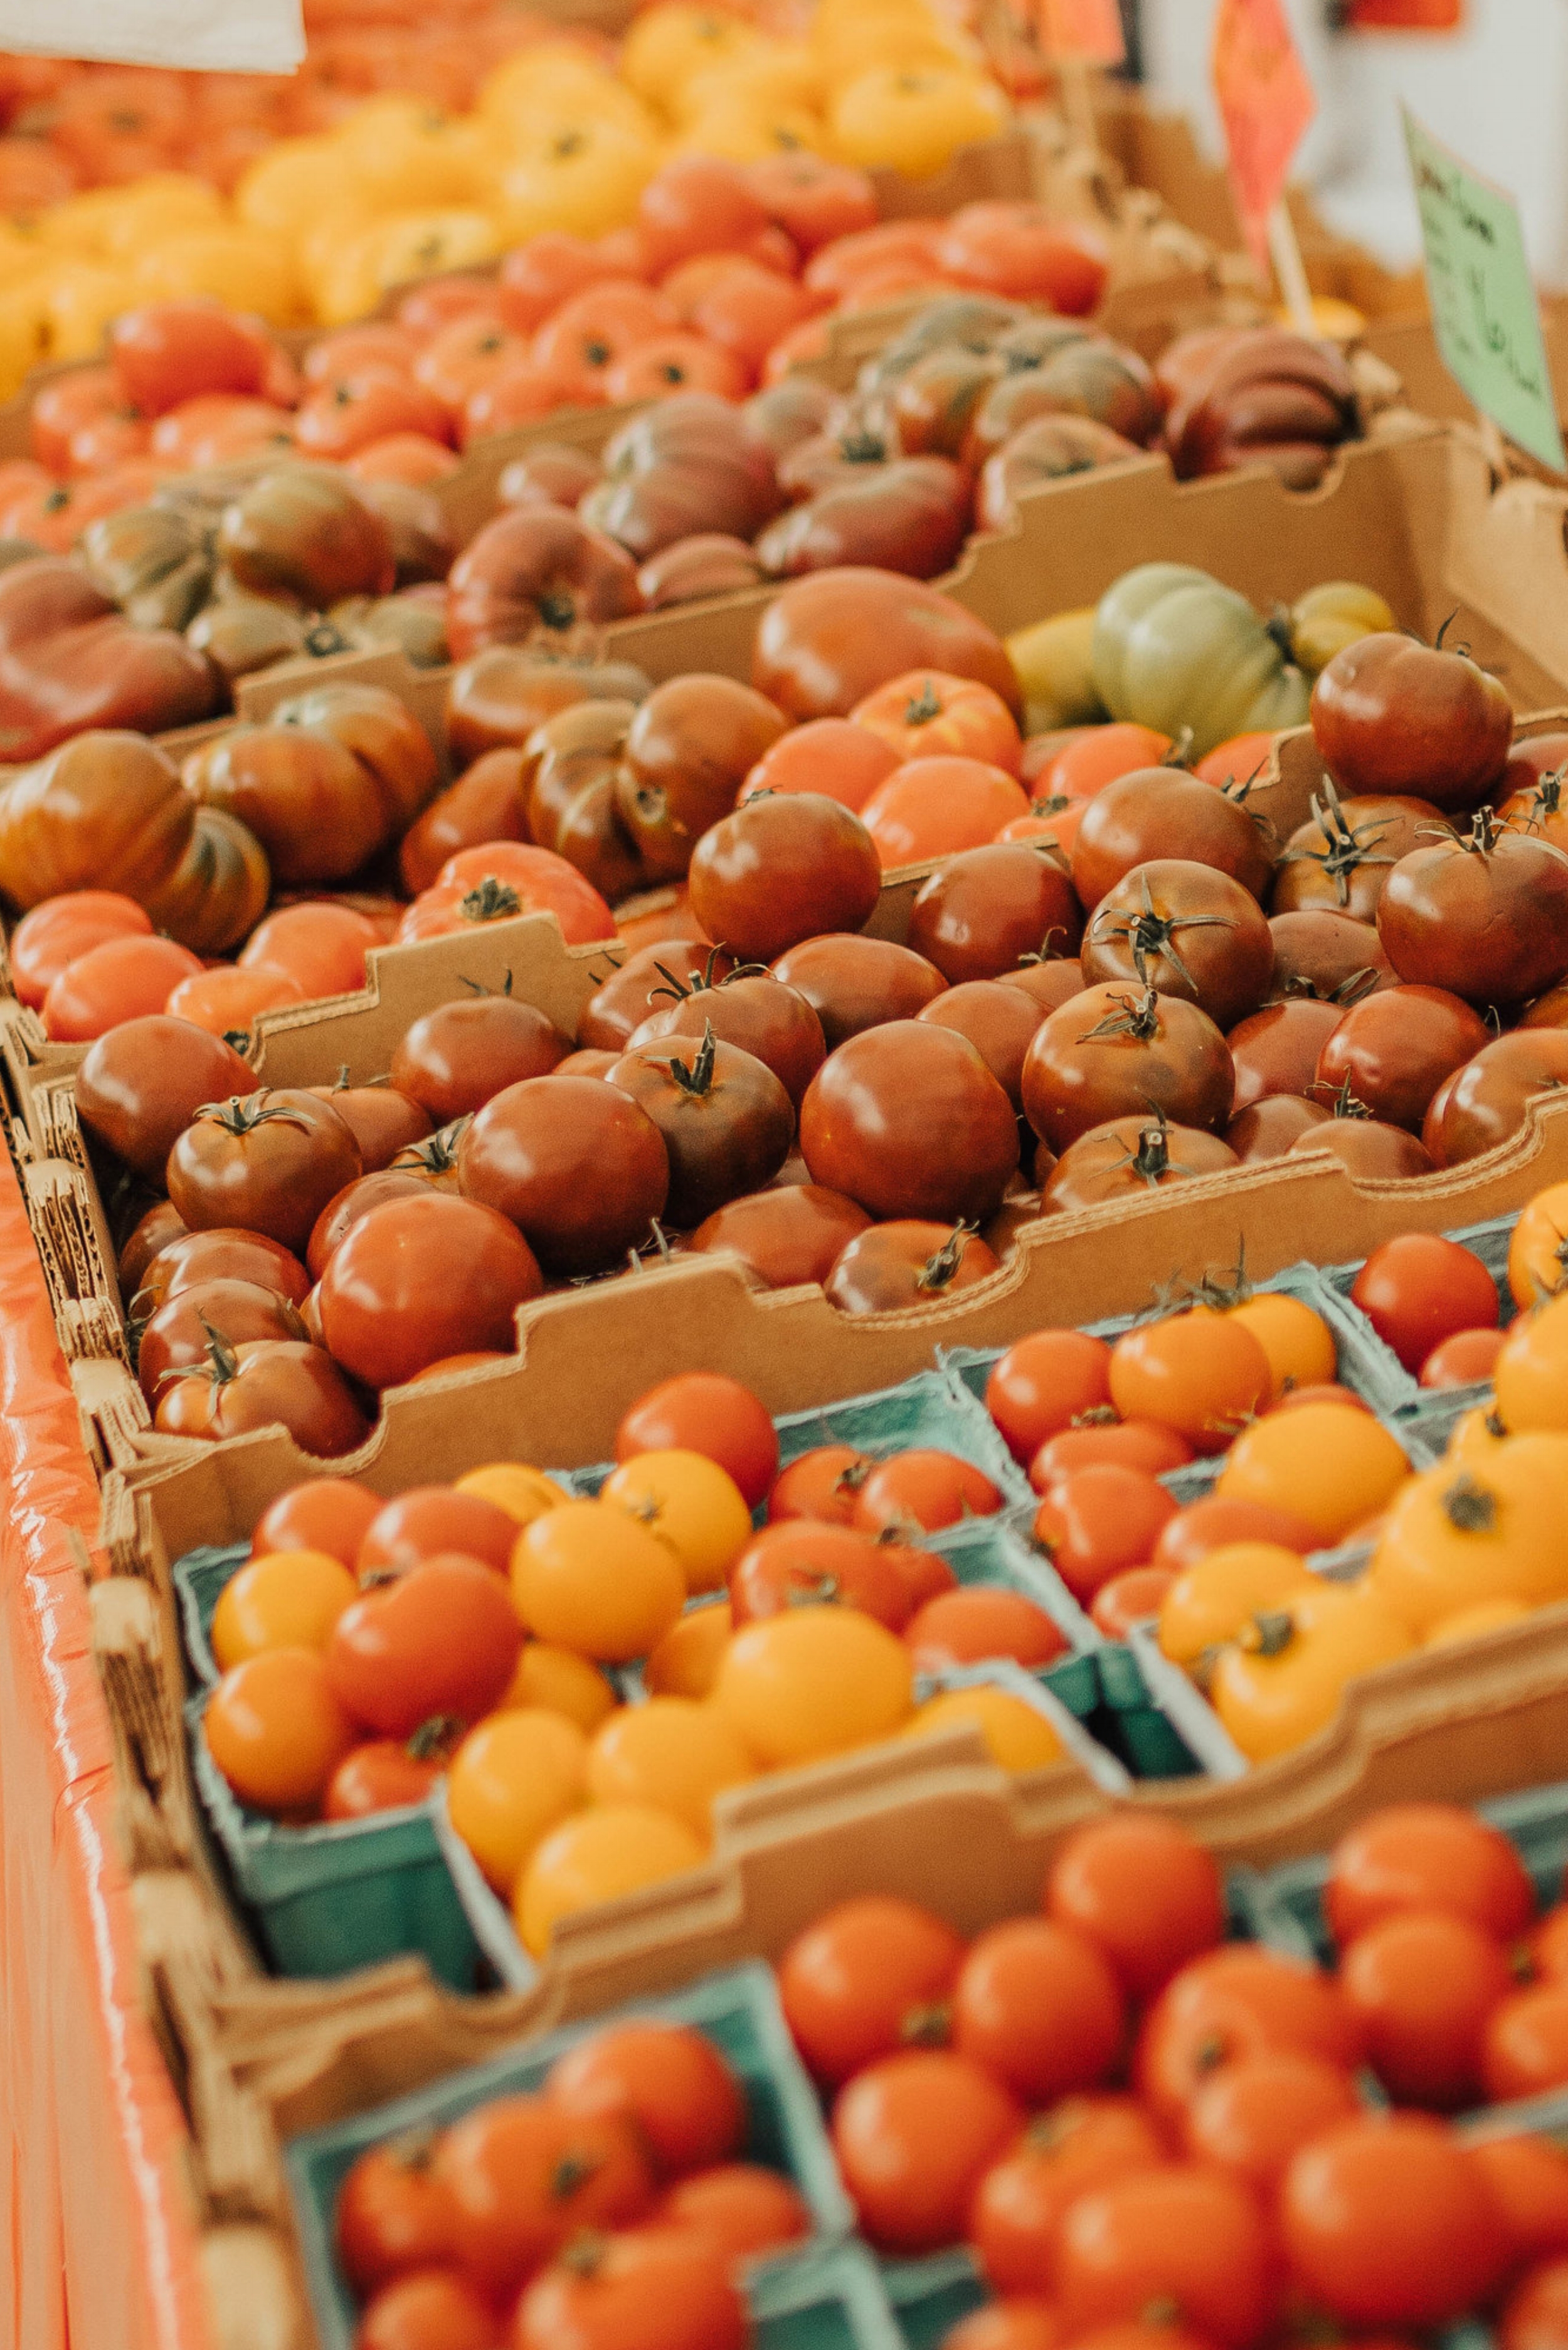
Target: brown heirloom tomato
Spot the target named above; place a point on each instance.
(628, 991)
(1128, 1157)
(418, 1280)
(1392, 716)
(578, 1168)
(266, 1383)
(495, 700)
(1485, 916)
(105, 811)
(689, 750)
(1044, 450)
(1276, 1051)
(1114, 1052)
(1239, 395)
(907, 1262)
(1324, 954)
(1272, 1124)
(706, 564)
(910, 515)
(302, 530)
(1342, 857)
(382, 1120)
(156, 1230)
(455, 1059)
(989, 907)
(489, 803)
(73, 661)
(793, 1233)
(750, 1009)
(1368, 1147)
(177, 1335)
(219, 1256)
(1183, 929)
(686, 463)
(830, 639)
(1483, 1101)
(1164, 813)
(142, 1083)
(1051, 981)
(908, 1119)
(535, 571)
(853, 983)
(785, 867)
(1391, 1051)
(265, 1161)
(1000, 1023)
(356, 1200)
(726, 1122)
(572, 774)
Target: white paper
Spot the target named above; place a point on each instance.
(201, 36)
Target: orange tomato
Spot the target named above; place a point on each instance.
(1098, 757)
(827, 754)
(227, 1000)
(1201, 1372)
(285, 1599)
(926, 712)
(277, 1732)
(935, 806)
(596, 1857)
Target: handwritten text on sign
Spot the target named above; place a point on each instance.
(1483, 304)
(1087, 31)
(1265, 103)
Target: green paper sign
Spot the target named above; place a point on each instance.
(1484, 308)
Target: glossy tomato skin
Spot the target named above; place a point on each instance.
(907, 1120)
(1390, 2221)
(754, 1011)
(627, 995)
(914, 2134)
(852, 983)
(1486, 917)
(859, 1982)
(1158, 813)
(428, 2308)
(1395, 1048)
(269, 1382)
(792, 1233)
(265, 1161)
(783, 867)
(707, 1412)
(829, 640)
(579, 1169)
(1178, 2233)
(1232, 2001)
(381, 1120)
(1485, 1101)
(441, 1640)
(219, 1256)
(904, 1263)
(653, 2288)
(1273, 1125)
(1420, 1855)
(1368, 1147)
(420, 1279)
(1038, 2006)
(1128, 1157)
(1322, 950)
(1276, 1051)
(726, 1123)
(1340, 860)
(141, 1083)
(1143, 1892)
(1149, 1051)
(1393, 715)
(382, 1775)
(456, 1058)
(524, 2177)
(178, 1337)
(989, 907)
(392, 2216)
(689, 749)
(1419, 1289)
(1185, 930)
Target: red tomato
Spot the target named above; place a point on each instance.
(914, 2135)
(924, 1488)
(1083, 767)
(1420, 1289)
(703, 1411)
(491, 884)
(1255, 2115)
(426, 1521)
(1129, 1598)
(1016, 2216)
(123, 978)
(823, 1483)
(1046, 1383)
(432, 2309)
(341, 418)
(167, 352)
(441, 1640)
(56, 932)
(1230, 2004)
(1096, 1522)
(1219, 1520)
(1038, 2006)
(1535, 2316)
(650, 2289)
(1388, 2221)
(1463, 1361)
(1427, 1856)
(925, 713)
(668, 2079)
(1145, 1444)
(326, 1513)
(1144, 1891)
(935, 806)
(830, 756)
(1182, 2235)
(1425, 1985)
(969, 1625)
(1528, 2175)
(869, 1976)
(392, 2215)
(740, 2207)
(524, 2177)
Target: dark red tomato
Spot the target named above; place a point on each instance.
(1485, 916)
(852, 983)
(1160, 812)
(1340, 860)
(914, 2135)
(417, 1280)
(786, 866)
(1111, 1053)
(801, 1562)
(706, 1412)
(459, 1056)
(266, 1383)
(385, 1774)
(179, 1336)
(138, 1086)
(1096, 1522)
(1388, 2220)
(1419, 1289)
(1185, 930)
(1221, 1519)
(1469, 1356)
(392, 2215)
(980, 1621)
(1328, 955)
(354, 1202)
(1277, 1050)
(760, 1014)
(908, 1119)
(925, 1490)
(579, 1169)
(1390, 714)
(1144, 1891)
(1486, 1099)
(725, 1120)
(988, 907)
(1000, 1023)
(266, 1161)
(382, 1120)
(628, 994)
(907, 1263)
(1044, 1383)
(1052, 981)
(219, 1256)
(1391, 1051)
(869, 1976)
(790, 1234)
(1273, 1125)
(1368, 1146)
(430, 1519)
(441, 1640)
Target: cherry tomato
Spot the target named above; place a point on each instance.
(1388, 2221)
(802, 1560)
(385, 1774)
(1230, 2004)
(1528, 2175)
(1095, 1522)
(1215, 1523)
(968, 1625)
(740, 2207)
(1046, 1383)
(823, 1483)
(1535, 2315)
(427, 1519)
(1143, 1444)
(914, 2135)
(1525, 2051)
(1257, 2114)
(328, 1514)
(523, 2176)
(1016, 2216)
(1180, 2234)
(1419, 1289)
(668, 2079)
(1144, 1891)
(1427, 1856)
(1201, 1373)
(1425, 1984)
(276, 1731)
(440, 1640)
(653, 2288)
(1463, 1361)
(869, 1976)
(1130, 1597)
(393, 2214)
(1038, 2006)
(289, 1600)
(430, 2309)
(703, 1411)
(923, 1489)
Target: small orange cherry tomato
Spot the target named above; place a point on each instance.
(329, 1514)
(277, 1732)
(1200, 1372)
(1129, 1598)
(287, 1599)
(926, 712)
(925, 1489)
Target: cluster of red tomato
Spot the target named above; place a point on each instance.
(608, 2209)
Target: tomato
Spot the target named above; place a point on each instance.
(429, 2309)
(392, 2215)
(1388, 2222)
(262, 1383)
(1525, 2050)
(1214, 1523)
(741, 2207)
(923, 1489)
(793, 1233)
(1425, 1984)
(1255, 2114)
(829, 756)
(578, 1166)
(992, 912)
(386, 1774)
(1533, 2318)
(1046, 1383)
(812, 1681)
(1416, 1857)
(1126, 1158)
(1180, 2234)
(286, 1599)
(59, 929)
(1098, 755)
(1487, 1100)
(1144, 1891)
(800, 1561)
(123, 977)
(420, 1279)
(275, 1730)
(1187, 930)
(202, 1257)
(691, 1504)
(907, 1120)
(514, 1777)
(1200, 1372)
(596, 1857)
(1016, 2216)
(967, 1626)
(523, 2175)
(905, 1263)
(936, 806)
(458, 1057)
(822, 1483)
(1039, 2008)
(781, 869)
(1528, 2175)
(1393, 1049)
(1230, 2004)
(668, 2079)
(1330, 1463)
(914, 2134)
(166, 352)
(1145, 1444)
(440, 1639)
(868, 1976)
(1096, 1522)
(1392, 714)
(654, 2288)
(926, 712)
(1159, 815)
(266, 1161)
(751, 1010)
(1134, 1596)
(829, 639)
(1284, 1679)
(1419, 1289)
(703, 1411)
(853, 983)
(1111, 1051)
(325, 1513)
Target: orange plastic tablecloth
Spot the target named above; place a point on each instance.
(100, 2250)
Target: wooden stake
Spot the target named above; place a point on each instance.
(1290, 270)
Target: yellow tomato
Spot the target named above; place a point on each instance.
(524, 1493)
(587, 1577)
(693, 1506)
(686, 1662)
(245, 267)
(597, 1857)
(1327, 1462)
(424, 244)
(1283, 1680)
(1298, 1343)
(1474, 1623)
(1053, 663)
(166, 204)
(1327, 620)
(745, 131)
(672, 1752)
(404, 153)
(1530, 1377)
(545, 86)
(1538, 1247)
(915, 117)
(80, 225)
(294, 185)
(1474, 1439)
(1016, 1737)
(814, 1682)
(23, 331)
(669, 45)
(514, 1779)
(891, 33)
(584, 178)
(1455, 1538)
(287, 1599)
(1210, 1600)
(562, 1682)
(783, 73)
(82, 301)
